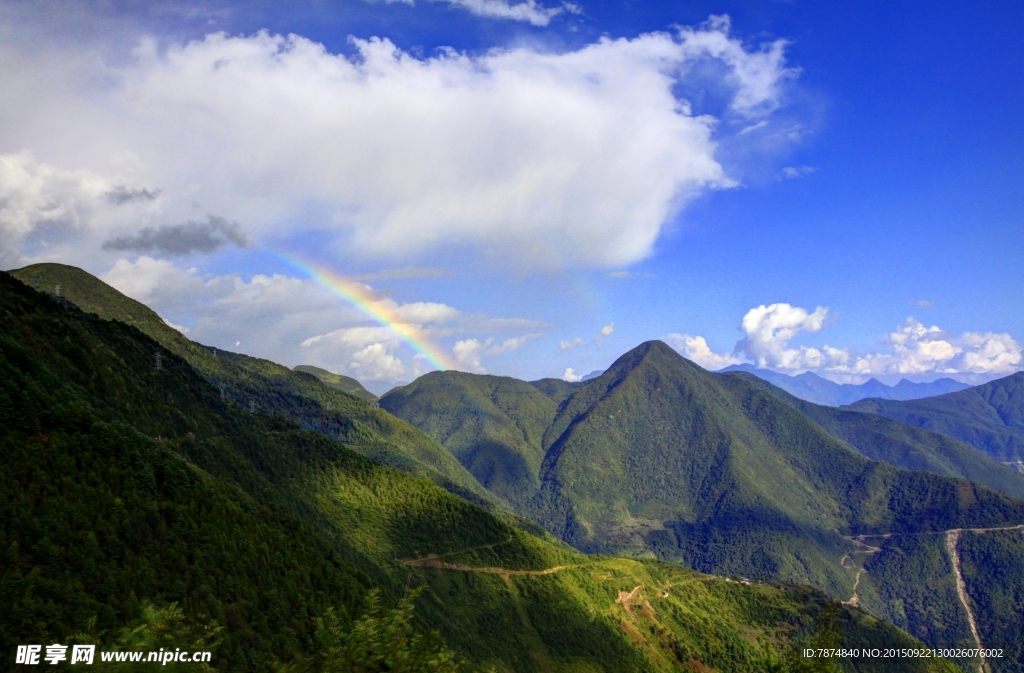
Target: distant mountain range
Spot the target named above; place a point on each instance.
(813, 388)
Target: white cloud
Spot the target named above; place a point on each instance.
(529, 10)
(768, 332)
(758, 75)
(914, 349)
(468, 352)
(790, 172)
(424, 313)
(571, 376)
(569, 345)
(606, 331)
(697, 349)
(180, 328)
(295, 321)
(990, 353)
(753, 127)
(375, 362)
(40, 203)
(509, 345)
(153, 281)
(556, 159)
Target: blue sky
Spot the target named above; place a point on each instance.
(505, 181)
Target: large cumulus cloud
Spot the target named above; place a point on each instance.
(552, 159)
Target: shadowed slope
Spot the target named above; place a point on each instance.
(268, 387)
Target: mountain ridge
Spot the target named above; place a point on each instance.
(989, 417)
(819, 390)
(900, 445)
(269, 387)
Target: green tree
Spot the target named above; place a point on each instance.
(382, 641)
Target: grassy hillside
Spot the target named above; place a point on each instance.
(271, 388)
(125, 484)
(989, 417)
(345, 384)
(901, 445)
(493, 425)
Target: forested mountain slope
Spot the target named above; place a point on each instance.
(902, 445)
(345, 384)
(267, 387)
(494, 425)
(125, 483)
(660, 457)
(989, 417)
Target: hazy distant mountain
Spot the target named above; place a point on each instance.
(989, 417)
(813, 388)
(346, 384)
(592, 375)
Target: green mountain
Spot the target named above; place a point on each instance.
(345, 384)
(267, 387)
(901, 445)
(556, 389)
(813, 388)
(127, 484)
(658, 457)
(989, 417)
(494, 425)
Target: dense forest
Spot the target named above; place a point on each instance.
(136, 496)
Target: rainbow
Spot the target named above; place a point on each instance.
(359, 297)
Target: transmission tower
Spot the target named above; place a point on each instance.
(159, 360)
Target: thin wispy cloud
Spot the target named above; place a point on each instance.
(569, 345)
(790, 172)
(407, 273)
